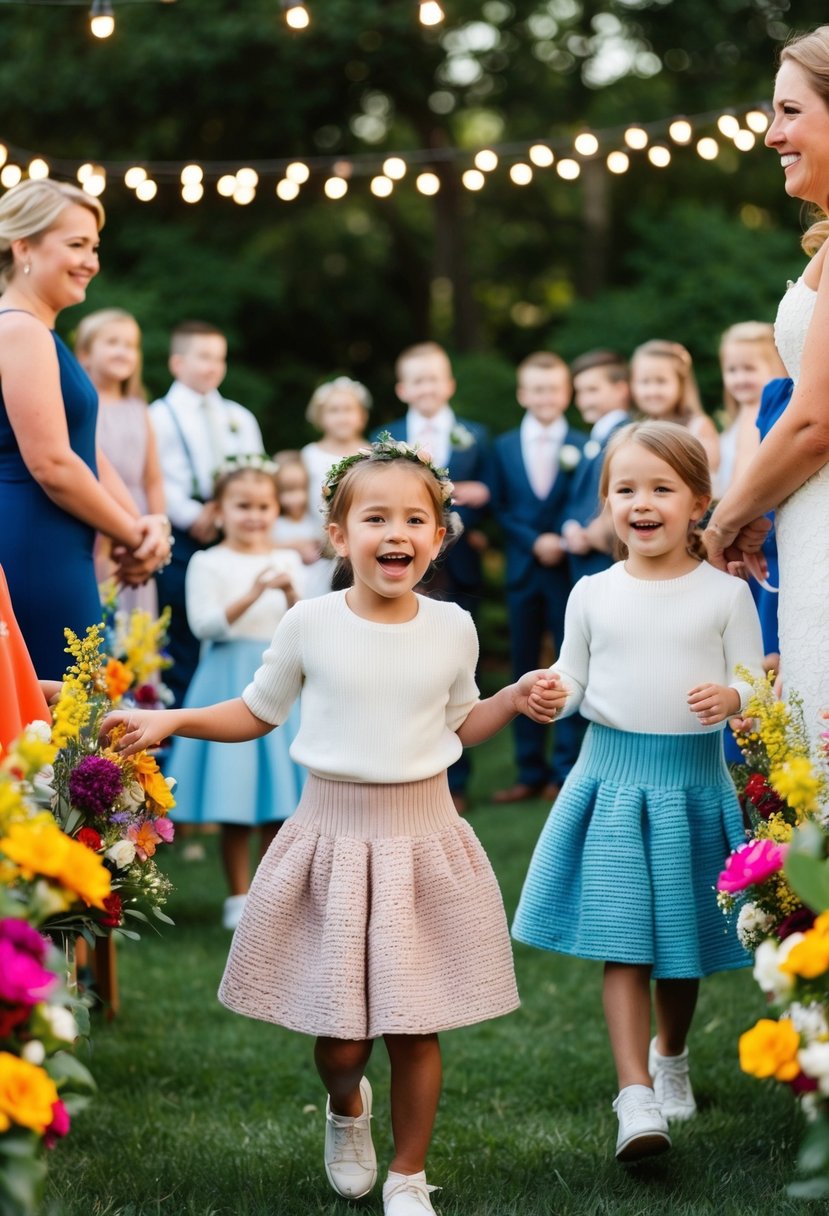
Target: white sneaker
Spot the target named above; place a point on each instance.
(232, 910)
(407, 1195)
(671, 1083)
(643, 1129)
(350, 1163)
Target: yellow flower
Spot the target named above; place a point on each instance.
(71, 713)
(140, 643)
(810, 957)
(796, 781)
(28, 754)
(40, 847)
(770, 1049)
(27, 1093)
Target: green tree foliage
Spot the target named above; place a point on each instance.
(311, 288)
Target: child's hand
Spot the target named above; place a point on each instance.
(470, 494)
(540, 695)
(548, 550)
(309, 550)
(575, 538)
(713, 703)
(133, 730)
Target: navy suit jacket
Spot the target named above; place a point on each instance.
(462, 563)
(583, 506)
(522, 515)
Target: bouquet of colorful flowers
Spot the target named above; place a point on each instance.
(780, 882)
(135, 656)
(115, 807)
(43, 874)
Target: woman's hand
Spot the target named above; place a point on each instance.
(155, 534)
(143, 728)
(723, 545)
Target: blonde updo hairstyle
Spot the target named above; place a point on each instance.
(88, 331)
(689, 404)
(760, 335)
(30, 209)
(680, 450)
(340, 384)
(811, 54)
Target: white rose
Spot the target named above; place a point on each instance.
(40, 730)
(33, 1051)
(814, 1060)
(592, 449)
(61, 1022)
(809, 1021)
(122, 853)
(767, 959)
(752, 923)
(569, 456)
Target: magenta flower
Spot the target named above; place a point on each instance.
(60, 1124)
(23, 981)
(165, 828)
(751, 864)
(24, 937)
(94, 784)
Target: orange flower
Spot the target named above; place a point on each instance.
(145, 839)
(770, 1049)
(152, 782)
(27, 1094)
(39, 847)
(118, 679)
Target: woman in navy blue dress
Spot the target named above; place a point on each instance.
(55, 487)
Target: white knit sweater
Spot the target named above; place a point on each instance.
(634, 648)
(378, 703)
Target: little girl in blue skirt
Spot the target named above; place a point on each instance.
(626, 865)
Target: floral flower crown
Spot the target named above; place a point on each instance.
(249, 460)
(386, 448)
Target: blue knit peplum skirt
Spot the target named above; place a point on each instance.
(626, 865)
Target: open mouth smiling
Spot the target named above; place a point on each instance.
(395, 561)
(645, 525)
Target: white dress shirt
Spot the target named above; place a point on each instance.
(603, 426)
(213, 429)
(540, 449)
(432, 434)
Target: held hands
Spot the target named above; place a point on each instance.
(135, 566)
(713, 703)
(143, 728)
(725, 547)
(203, 528)
(539, 695)
(575, 538)
(548, 549)
(275, 580)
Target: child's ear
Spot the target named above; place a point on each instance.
(337, 537)
(701, 505)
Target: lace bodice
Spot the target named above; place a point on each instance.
(793, 316)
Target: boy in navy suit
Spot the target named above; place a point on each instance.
(532, 471)
(426, 385)
(602, 392)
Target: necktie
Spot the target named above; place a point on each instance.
(542, 471)
(215, 434)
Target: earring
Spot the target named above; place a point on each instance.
(27, 267)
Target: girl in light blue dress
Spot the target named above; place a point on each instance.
(237, 593)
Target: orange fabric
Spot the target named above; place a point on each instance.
(21, 700)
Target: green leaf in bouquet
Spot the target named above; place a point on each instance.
(128, 933)
(64, 1068)
(807, 868)
(73, 819)
(162, 916)
(139, 915)
(813, 1157)
(809, 1188)
(75, 1103)
(21, 1185)
(19, 1144)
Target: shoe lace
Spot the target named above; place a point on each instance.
(673, 1081)
(349, 1137)
(413, 1187)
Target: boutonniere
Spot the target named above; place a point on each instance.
(461, 438)
(592, 449)
(569, 457)
(233, 426)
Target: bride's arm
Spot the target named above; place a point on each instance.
(797, 445)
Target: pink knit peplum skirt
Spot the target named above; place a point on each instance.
(375, 911)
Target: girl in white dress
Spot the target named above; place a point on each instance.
(375, 912)
(789, 474)
(237, 592)
(748, 360)
(339, 408)
(663, 387)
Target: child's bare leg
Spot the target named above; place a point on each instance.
(341, 1064)
(416, 1075)
(236, 857)
(675, 1002)
(267, 835)
(627, 1010)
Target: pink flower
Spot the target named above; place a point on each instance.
(22, 979)
(60, 1124)
(751, 864)
(165, 828)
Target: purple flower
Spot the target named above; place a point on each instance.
(95, 784)
(23, 979)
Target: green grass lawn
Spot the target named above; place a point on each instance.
(204, 1113)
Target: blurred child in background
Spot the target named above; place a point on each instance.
(663, 387)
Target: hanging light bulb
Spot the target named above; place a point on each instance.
(94, 183)
(134, 176)
(430, 12)
(473, 179)
(745, 140)
(381, 185)
(10, 175)
(38, 169)
(636, 138)
(586, 144)
(297, 16)
(192, 175)
(287, 189)
(297, 172)
(568, 169)
(681, 131)
(541, 155)
(521, 174)
(226, 185)
(394, 167)
(618, 162)
(4, 154)
(101, 19)
(486, 160)
(191, 192)
(428, 183)
(757, 121)
(659, 156)
(708, 148)
(728, 124)
(336, 187)
(146, 190)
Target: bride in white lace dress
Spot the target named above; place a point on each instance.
(790, 473)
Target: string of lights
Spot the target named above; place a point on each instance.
(617, 148)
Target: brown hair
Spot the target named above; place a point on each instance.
(420, 350)
(182, 333)
(759, 334)
(88, 331)
(228, 478)
(340, 384)
(679, 449)
(610, 362)
(29, 209)
(546, 360)
(688, 405)
(811, 54)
